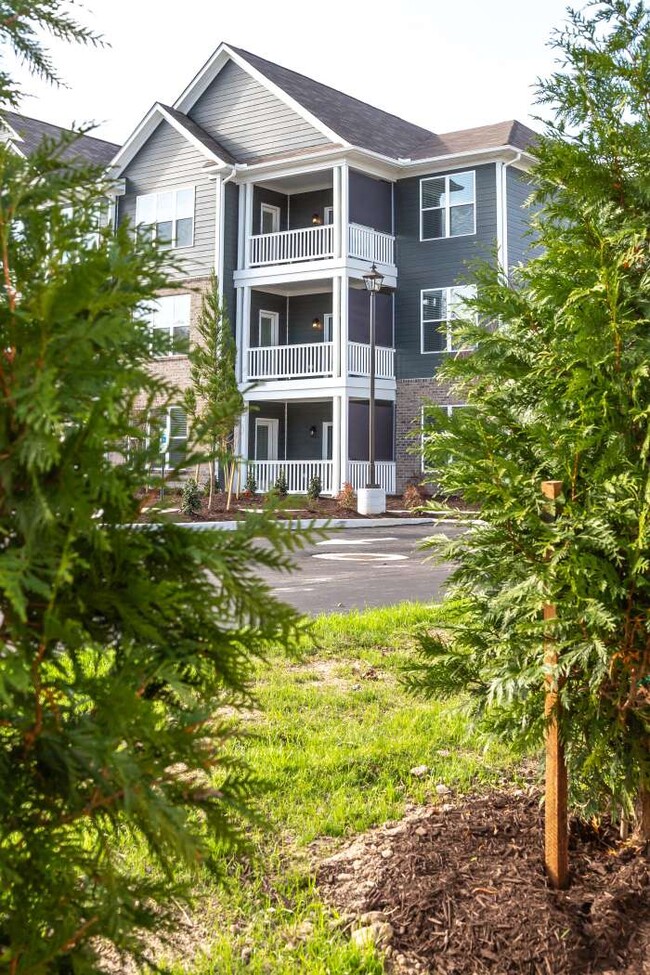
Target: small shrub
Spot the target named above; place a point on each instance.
(191, 498)
(346, 498)
(315, 488)
(280, 486)
(251, 483)
(412, 498)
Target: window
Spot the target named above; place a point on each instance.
(172, 427)
(328, 320)
(269, 219)
(268, 328)
(426, 416)
(167, 216)
(328, 215)
(439, 308)
(447, 206)
(266, 439)
(170, 317)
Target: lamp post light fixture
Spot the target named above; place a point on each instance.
(371, 500)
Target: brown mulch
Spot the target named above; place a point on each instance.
(463, 887)
(323, 508)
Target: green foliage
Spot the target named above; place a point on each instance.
(559, 389)
(280, 486)
(117, 650)
(191, 498)
(213, 401)
(251, 483)
(315, 488)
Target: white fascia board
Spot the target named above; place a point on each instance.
(146, 129)
(458, 159)
(211, 69)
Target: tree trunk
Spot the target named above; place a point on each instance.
(229, 474)
(642, 831)
(211, 488)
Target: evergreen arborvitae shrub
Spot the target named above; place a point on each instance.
(558, 388)
(117, 650)
(315, 488)
(280, 486)
(191, 498)
(251, 483)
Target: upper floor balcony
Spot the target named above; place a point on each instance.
(318, 242)
(336, 215)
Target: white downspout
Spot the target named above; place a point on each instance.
(504, 218)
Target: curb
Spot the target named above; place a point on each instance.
(333, 523)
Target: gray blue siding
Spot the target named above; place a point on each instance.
(434, 264)
(520, 242)
(165, 162)
(248, 120)
(230, 249)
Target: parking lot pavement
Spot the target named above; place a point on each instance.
(353, 569)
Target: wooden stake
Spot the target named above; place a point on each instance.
(556, 824)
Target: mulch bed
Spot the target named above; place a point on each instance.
(323, 508)
(463, 887)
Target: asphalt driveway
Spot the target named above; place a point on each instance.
(356, 568)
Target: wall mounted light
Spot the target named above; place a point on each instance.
(312, 432)
(316, 219)
(317, 325)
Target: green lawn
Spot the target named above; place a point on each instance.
(335, 738)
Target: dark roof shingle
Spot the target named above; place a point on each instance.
(86, 148)
(510, 133)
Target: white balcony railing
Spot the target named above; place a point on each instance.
(370, 245)
(305, 244)
(384, 472)
(298, 474)
(290, 361)
(359, 360)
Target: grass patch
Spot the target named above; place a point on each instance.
(335, 739)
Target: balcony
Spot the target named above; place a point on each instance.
(317, 243)
(299, 474)
(316, 359)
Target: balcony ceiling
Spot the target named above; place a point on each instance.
(287, 289)
(300, 183)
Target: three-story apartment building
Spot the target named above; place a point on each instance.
(291, 190)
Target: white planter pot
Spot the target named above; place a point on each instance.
(371, 501)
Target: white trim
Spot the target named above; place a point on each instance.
(156, 114)
(329, 210)
(328, 326)
(218, 61)
(274, 317)
(448, 207)
(273, 426)
(450, 299)
(276, 213)
(324, 427)
(173, 191)
(500, 213)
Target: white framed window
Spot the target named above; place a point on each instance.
(269, 218)
(328, 320)
(168, 216)
(172, 427)
(328, 214)
(170, 317)
(449, 408)
(448, 206)
(328, 440)
(266, 438)
(438, 309)
(268, 328)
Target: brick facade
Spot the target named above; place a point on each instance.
(412, 394)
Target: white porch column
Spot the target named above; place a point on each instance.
(345, 208)
(344, 285)
(336, 325)
(243, 446)
(239, 333)
(338, 213)
(245, 330)
(345, 400)
(248, 222)
(336, 445)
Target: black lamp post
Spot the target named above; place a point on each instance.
(373, 281)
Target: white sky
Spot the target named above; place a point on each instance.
(444, 64)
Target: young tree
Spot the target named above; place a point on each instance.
(117, 648)
(559, 389)
(214, 402)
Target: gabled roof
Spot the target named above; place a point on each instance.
(354, 121)
(200, 135)
(31, 132)
(510, 133)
